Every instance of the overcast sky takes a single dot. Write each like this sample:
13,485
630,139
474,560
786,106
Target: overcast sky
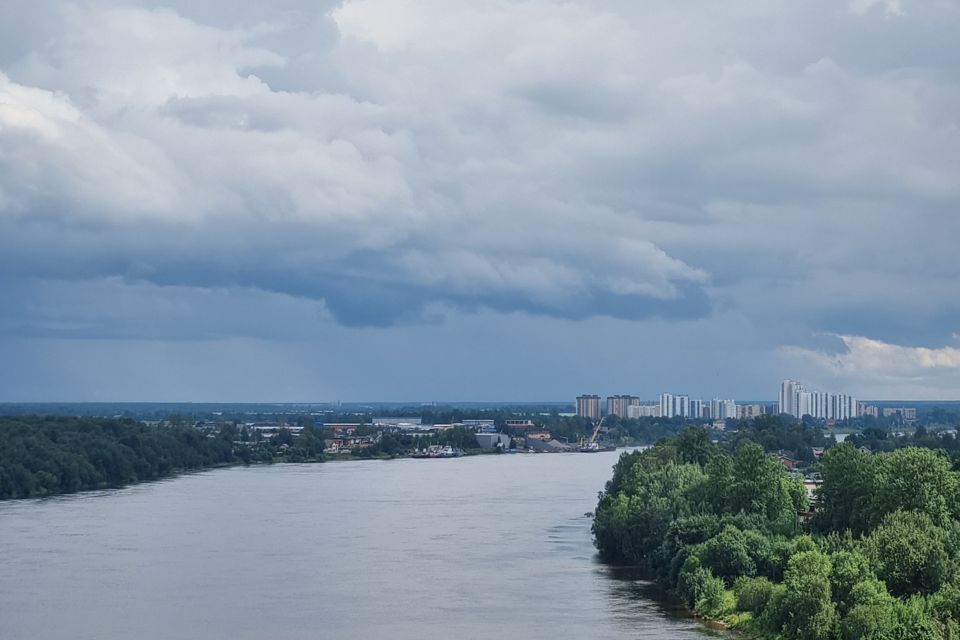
478,199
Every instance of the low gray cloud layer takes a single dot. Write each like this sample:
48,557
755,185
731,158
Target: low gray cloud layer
173,172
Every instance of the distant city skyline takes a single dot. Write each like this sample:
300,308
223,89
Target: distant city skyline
793,399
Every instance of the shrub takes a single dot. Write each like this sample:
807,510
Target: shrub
753,594
713,601
692,580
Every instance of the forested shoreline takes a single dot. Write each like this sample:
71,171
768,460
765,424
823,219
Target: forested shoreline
43,456
730,532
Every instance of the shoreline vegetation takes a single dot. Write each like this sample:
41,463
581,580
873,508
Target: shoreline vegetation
725,528
54,455
43,456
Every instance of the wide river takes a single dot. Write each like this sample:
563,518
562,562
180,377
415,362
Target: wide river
480,547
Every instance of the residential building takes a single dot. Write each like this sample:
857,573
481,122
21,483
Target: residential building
788,397
747,411
617,405
696,408
798,402
672,406
666,405
588,406
643,411
723,409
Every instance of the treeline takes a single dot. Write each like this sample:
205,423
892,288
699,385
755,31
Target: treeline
882,440
42,456
781,433
723,530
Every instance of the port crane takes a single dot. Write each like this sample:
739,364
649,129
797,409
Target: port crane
591,444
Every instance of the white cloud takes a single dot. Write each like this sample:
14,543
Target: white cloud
878,369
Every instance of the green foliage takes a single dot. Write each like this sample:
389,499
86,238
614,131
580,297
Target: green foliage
879,563
692,581
916,480
758,485
713,600
847,492
848,569
913,621
778,432
753,594
694,446
870,622
908,552
810,611
775,615
51,455
726,555
632,525
945,603
859,489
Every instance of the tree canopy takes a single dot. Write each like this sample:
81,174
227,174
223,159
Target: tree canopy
723,527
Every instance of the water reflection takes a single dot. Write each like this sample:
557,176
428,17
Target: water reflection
643,608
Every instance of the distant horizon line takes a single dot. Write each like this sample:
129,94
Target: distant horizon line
421,403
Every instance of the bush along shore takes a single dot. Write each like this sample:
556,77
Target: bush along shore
733,535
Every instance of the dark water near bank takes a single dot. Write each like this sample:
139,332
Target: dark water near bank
484,547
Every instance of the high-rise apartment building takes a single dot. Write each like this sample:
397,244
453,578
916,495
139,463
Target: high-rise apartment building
749,410
588,407
798,402
723,409
666,405
788,401
619,405
696,409
672,406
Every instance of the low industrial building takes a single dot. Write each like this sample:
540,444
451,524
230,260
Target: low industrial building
493,440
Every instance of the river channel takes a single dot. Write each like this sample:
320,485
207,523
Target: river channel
479,547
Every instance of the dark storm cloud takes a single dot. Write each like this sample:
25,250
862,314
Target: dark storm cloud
783,170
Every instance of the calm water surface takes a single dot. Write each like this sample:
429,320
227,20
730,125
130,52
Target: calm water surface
481,547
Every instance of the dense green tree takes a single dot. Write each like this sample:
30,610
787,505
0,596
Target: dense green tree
716,489
726,555
632,525
51,455
753,594
713,601
847,491
872,615
759,485
694,446
848,568
880,563
811,613
909,553
914,479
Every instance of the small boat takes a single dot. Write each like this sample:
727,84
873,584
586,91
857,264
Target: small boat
436,451
593,447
